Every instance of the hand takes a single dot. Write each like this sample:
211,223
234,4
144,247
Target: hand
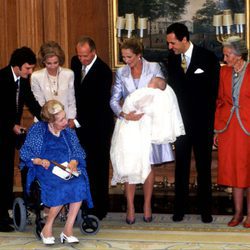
132,116
19,129
216,140
42,162
71,123
73,165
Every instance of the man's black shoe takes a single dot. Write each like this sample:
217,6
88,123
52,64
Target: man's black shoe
6,228
206,218
177,217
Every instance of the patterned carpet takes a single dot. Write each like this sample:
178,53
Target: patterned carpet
162,233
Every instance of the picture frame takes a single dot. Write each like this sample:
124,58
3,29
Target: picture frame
155,47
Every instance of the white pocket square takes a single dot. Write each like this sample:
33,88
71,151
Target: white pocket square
199,71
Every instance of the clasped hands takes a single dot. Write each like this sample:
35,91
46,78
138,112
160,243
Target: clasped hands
72,165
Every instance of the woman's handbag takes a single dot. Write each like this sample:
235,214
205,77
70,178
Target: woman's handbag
62,171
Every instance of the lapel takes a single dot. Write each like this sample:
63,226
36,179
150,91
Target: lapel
146,74
191,64
91,70
191,68
128,79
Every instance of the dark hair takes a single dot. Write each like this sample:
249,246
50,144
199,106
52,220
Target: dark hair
180,30
49,49
133,44
21,56
85,39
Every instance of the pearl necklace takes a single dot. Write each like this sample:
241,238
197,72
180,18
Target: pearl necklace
237,72
53,83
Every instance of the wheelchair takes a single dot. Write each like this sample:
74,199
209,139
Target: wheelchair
30,203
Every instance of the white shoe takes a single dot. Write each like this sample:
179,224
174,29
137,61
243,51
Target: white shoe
68,239
48,240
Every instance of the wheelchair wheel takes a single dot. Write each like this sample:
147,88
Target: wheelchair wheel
89,224
19,214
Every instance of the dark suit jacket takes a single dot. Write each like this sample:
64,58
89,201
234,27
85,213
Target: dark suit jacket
9,116
196,90
92,101
96,119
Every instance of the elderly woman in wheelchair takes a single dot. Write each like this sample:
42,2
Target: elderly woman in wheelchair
55,158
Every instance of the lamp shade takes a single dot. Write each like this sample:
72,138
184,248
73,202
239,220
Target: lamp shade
130,21
239,18
227,12
142,23
120,22
217,20
227,20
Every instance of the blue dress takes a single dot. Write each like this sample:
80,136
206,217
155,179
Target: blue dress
55,191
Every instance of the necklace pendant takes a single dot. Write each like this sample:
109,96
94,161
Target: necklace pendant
55,93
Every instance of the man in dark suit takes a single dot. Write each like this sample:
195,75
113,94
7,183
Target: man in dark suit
93,80
194,75
15,92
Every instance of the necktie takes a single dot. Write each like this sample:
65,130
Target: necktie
83,73
17,94
184,63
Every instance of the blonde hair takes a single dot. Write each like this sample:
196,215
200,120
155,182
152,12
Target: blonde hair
133,44
49,49
50,109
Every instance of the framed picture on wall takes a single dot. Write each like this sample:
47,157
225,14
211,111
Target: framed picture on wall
149,19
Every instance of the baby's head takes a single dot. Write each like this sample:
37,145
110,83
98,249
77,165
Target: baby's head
157,83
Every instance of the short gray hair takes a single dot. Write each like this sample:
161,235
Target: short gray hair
237,45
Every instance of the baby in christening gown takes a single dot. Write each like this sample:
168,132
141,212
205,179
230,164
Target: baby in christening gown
131,140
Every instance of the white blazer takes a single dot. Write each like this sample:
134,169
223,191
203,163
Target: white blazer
42,89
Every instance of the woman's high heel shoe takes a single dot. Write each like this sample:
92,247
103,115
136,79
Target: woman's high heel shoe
130,214
147,219
68,239
246,225
130,222
235,222
47,240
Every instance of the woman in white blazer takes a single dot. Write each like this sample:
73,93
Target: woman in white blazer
53,81
137,73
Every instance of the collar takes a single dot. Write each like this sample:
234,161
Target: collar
188,53
90,65
14,75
